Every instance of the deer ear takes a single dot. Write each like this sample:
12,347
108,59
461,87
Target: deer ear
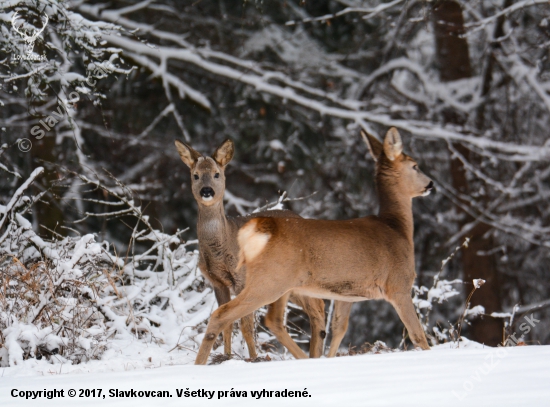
224,153
375,147
393,146
187,154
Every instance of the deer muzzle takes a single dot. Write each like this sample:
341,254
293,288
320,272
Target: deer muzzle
207,193
429,188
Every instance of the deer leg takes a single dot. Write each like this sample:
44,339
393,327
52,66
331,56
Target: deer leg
340,321
315,310
244,304
247,328
405,309
274,320
223,296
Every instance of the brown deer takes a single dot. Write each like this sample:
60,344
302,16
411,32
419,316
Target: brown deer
347,260
218,252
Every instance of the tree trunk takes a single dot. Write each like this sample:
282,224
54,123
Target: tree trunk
47,211
454,63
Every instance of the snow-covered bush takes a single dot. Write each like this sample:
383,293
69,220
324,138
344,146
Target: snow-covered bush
69,299
425,298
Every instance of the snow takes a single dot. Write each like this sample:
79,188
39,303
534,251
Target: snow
277,145
478,282
477,310
472,375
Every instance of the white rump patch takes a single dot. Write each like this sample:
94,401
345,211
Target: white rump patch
251,241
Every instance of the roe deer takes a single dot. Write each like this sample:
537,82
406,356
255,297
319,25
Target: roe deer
218,252
347,260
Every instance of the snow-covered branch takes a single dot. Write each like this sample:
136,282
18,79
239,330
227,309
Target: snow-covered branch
367,13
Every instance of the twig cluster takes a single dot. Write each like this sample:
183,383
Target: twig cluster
68,299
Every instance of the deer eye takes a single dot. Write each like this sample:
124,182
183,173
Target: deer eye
196,176
217,175
415,167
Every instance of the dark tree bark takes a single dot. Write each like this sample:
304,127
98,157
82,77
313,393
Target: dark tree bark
454,63
47,211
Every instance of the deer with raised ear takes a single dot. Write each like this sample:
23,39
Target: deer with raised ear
347,260
218,252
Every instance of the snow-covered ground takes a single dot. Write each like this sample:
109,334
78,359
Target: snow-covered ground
472,375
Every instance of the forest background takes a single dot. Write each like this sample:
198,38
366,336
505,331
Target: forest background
98,97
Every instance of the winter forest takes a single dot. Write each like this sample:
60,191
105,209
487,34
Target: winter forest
98,235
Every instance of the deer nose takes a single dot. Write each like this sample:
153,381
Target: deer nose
430,186
207,192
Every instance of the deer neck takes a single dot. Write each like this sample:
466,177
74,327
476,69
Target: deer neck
212,223
395,207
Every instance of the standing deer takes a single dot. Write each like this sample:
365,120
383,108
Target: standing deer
218,252
347,260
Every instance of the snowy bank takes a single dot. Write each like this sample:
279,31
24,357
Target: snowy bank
474,375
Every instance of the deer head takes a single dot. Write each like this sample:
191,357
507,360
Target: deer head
396,167
207,173
29,38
